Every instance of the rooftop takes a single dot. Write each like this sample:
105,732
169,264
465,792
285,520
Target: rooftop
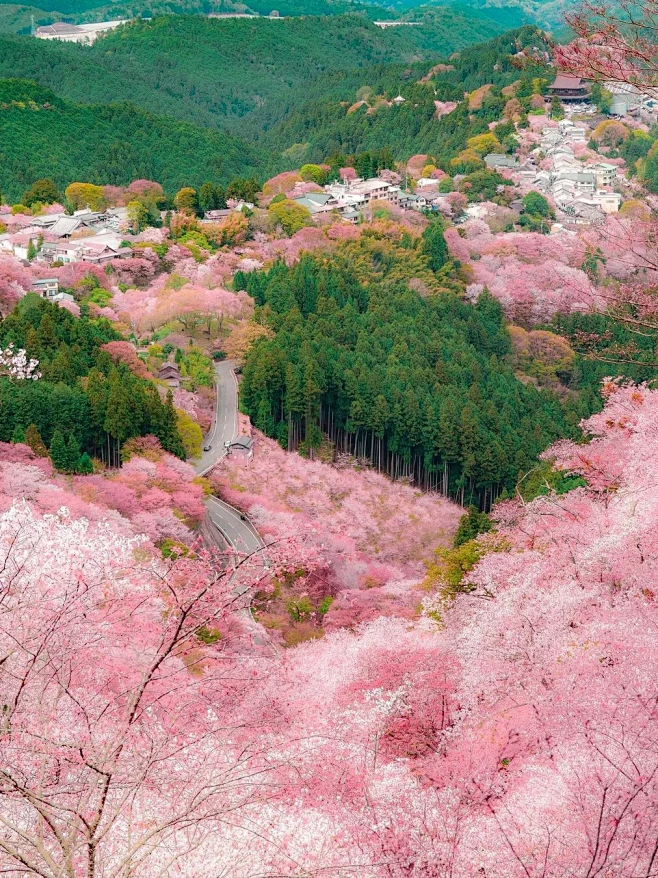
59,27
566,80
65,225
245,442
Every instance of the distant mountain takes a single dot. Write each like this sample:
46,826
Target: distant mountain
42,135
242,74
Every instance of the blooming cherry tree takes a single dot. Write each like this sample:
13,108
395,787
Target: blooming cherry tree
15,364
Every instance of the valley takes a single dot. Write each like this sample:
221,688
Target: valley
328,362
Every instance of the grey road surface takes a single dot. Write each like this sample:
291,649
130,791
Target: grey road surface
235,529
229,523
225,426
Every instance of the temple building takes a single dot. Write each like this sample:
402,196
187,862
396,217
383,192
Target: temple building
570,88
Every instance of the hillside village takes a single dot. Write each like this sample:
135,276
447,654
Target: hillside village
552,157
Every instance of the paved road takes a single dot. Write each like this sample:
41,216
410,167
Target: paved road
225,428
231,525
235,529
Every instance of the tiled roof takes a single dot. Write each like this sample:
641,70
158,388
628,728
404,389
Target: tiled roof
565,80
65,225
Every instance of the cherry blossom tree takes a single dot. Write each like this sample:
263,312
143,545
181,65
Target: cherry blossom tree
15,364
124,352
15,281
119,695
360,516
613,43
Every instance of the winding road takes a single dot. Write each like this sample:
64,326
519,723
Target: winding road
229,525
234,528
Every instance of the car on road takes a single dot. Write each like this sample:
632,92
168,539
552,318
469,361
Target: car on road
207,447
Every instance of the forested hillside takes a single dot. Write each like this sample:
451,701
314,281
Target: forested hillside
420,385
57,129
320,127
17,19
43,136
243,74
82,397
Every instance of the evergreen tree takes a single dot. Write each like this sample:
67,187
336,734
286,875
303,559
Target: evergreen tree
59,454
208,199
168,435
34,440
47,335
470,525
72,454
85,465
434,245
18,436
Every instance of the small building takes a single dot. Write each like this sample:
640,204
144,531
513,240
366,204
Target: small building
569,88
583,181
414,202
215,216
606,174
169,373
350,216
399,100
46,287
241,448
607,200
65,226
499,160
62,297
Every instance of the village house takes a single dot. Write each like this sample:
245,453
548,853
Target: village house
606,173
571,131
413,202
498,160
169,373
46,287
18,244
215,216
583,212
374,189
607,200
92,250
348,199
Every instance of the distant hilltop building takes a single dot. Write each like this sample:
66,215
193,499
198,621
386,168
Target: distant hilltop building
75,33
389,23
274,14
569,88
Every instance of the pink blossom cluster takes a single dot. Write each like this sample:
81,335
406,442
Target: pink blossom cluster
160,303
157,493
15,281
375,533
198,405
532,275
160,497
15,364
509,732
516,737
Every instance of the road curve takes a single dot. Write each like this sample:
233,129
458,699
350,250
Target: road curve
238,532
228,523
